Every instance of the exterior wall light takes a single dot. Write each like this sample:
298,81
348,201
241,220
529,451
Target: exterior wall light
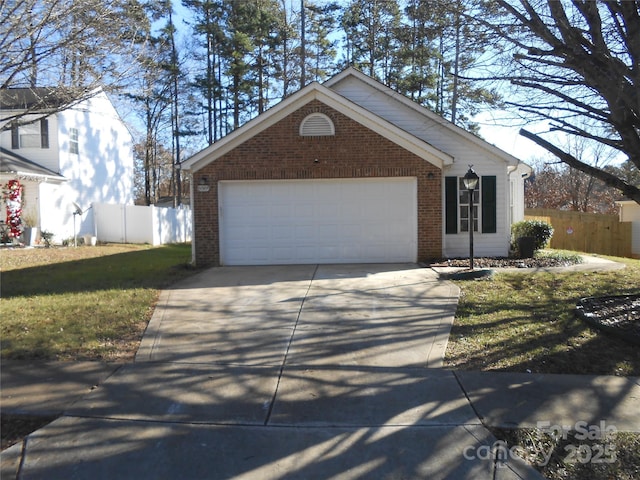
203,184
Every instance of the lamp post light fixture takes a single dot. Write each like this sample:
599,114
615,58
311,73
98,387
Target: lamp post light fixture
470,181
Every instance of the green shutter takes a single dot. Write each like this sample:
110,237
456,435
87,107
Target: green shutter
44,133
451,204
15,137
489,223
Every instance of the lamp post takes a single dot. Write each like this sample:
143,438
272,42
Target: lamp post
470,181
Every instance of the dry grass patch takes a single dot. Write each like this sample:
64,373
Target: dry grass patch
525,322
89,303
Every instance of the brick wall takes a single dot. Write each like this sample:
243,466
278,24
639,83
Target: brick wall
280,153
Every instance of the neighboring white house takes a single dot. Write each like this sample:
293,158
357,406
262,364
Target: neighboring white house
81,155
630,212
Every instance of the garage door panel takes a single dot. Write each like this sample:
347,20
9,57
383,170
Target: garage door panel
318,221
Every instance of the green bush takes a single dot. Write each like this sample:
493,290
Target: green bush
539,230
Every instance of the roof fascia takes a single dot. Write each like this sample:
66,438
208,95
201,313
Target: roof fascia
49,174
248,130
352,72
315,91
385,128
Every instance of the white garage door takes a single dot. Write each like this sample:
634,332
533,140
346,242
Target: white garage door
318,221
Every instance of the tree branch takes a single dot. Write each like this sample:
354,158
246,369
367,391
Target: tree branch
627,189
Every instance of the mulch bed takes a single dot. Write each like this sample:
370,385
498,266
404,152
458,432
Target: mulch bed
504,262
619,315
15,427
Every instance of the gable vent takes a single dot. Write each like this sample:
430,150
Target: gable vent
317,125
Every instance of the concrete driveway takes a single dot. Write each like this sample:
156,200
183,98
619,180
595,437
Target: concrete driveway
367,315
282,372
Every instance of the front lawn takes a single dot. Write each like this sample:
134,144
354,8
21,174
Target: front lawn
523,322
89,303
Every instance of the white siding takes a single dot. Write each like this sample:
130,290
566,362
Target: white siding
630,212
101,172
465,153
47,157
485,244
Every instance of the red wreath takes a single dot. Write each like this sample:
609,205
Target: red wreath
13,200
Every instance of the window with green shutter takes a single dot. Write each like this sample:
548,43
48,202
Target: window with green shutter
457,205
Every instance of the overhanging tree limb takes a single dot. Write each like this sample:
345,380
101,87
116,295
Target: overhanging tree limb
627,189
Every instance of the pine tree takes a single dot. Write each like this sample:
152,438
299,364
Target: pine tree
371,28
208,29
321,50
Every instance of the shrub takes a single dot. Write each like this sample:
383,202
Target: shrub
539,230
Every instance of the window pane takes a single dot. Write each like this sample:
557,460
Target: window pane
464,206
29,140
44,133
73,140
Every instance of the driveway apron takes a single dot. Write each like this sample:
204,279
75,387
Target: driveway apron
306,371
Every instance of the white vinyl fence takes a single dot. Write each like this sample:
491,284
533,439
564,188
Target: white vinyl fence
141,224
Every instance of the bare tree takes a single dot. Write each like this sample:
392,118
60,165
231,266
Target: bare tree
577,61
73,47
561,187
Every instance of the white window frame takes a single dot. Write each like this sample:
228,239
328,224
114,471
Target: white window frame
74,146
463,207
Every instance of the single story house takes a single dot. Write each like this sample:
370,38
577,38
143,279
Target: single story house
350,171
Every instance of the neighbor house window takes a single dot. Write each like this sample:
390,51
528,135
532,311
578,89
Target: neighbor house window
34,135
457,205
73,141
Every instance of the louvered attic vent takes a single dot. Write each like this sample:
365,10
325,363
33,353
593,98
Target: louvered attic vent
317,125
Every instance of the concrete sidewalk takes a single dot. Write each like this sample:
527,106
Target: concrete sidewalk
48,388
297,372
212,421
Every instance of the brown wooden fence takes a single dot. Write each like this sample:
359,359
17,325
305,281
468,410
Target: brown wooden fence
586,232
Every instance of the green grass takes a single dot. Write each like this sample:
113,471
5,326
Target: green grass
560,255
525,322
83,303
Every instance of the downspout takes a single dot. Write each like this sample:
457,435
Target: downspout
193,222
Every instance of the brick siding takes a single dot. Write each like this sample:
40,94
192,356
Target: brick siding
280,153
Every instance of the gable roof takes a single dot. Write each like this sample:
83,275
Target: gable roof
12,163
316,91
351,72
35,98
